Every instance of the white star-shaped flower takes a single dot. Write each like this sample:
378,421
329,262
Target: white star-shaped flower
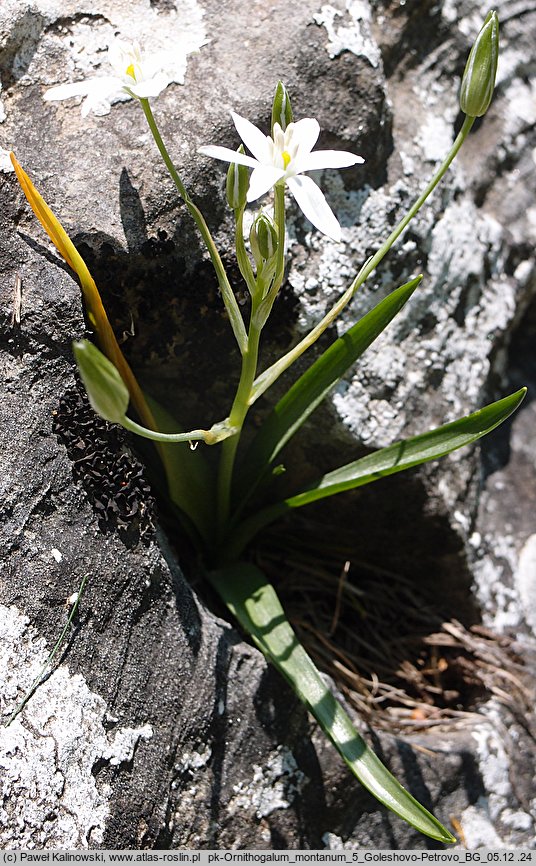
283,159
135,74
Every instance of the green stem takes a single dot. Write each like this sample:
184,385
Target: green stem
395,234
231,305
269,376
237,416
218,432
52,655
259,313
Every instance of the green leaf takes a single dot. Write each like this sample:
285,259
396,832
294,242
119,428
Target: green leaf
395,458
255,604
311,388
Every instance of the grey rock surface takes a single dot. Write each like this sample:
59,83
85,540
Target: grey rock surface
162,727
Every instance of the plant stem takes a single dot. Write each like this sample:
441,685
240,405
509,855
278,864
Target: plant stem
237,416
231,305
216,433
269,376
260,310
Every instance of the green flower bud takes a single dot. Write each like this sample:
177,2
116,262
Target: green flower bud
263,239
479,77
105,388
281,107
237,183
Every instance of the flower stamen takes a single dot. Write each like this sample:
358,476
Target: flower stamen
286,158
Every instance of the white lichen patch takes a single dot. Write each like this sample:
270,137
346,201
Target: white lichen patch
435,137
6,166
525,580
49,796
468,24
63,41
499,602
522,105
491,821
273,786
197,759
332,842
352,33
478,830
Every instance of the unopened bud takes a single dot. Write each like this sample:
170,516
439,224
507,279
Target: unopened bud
237,184
263,239
105,388
281,107
479,77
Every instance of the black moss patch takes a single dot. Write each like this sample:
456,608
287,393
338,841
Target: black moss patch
111,476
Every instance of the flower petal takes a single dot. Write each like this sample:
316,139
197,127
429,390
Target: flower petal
150,86
310,199
263,179
305,133
96,90
121,54
228,155
326,159
68,91
253,138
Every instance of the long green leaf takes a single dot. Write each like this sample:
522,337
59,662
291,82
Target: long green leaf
395,458
255,604
311,388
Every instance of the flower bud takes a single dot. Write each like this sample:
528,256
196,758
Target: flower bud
281,107
105,388
263,239
479,77
237,184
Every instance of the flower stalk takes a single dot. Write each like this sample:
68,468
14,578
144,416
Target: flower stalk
237,416
229,300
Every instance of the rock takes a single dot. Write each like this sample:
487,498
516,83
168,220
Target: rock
162,727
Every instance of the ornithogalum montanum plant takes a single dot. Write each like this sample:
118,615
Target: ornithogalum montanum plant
211,505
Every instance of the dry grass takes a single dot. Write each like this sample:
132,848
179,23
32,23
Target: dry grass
392,648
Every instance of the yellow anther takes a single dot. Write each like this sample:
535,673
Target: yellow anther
131,71
286,158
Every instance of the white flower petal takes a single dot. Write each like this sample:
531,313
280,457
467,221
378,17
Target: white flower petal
310,199
97,106
253,138
228,155
95,88
67,91
326,159
101,103
304,133
121,54
263,179
150,86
